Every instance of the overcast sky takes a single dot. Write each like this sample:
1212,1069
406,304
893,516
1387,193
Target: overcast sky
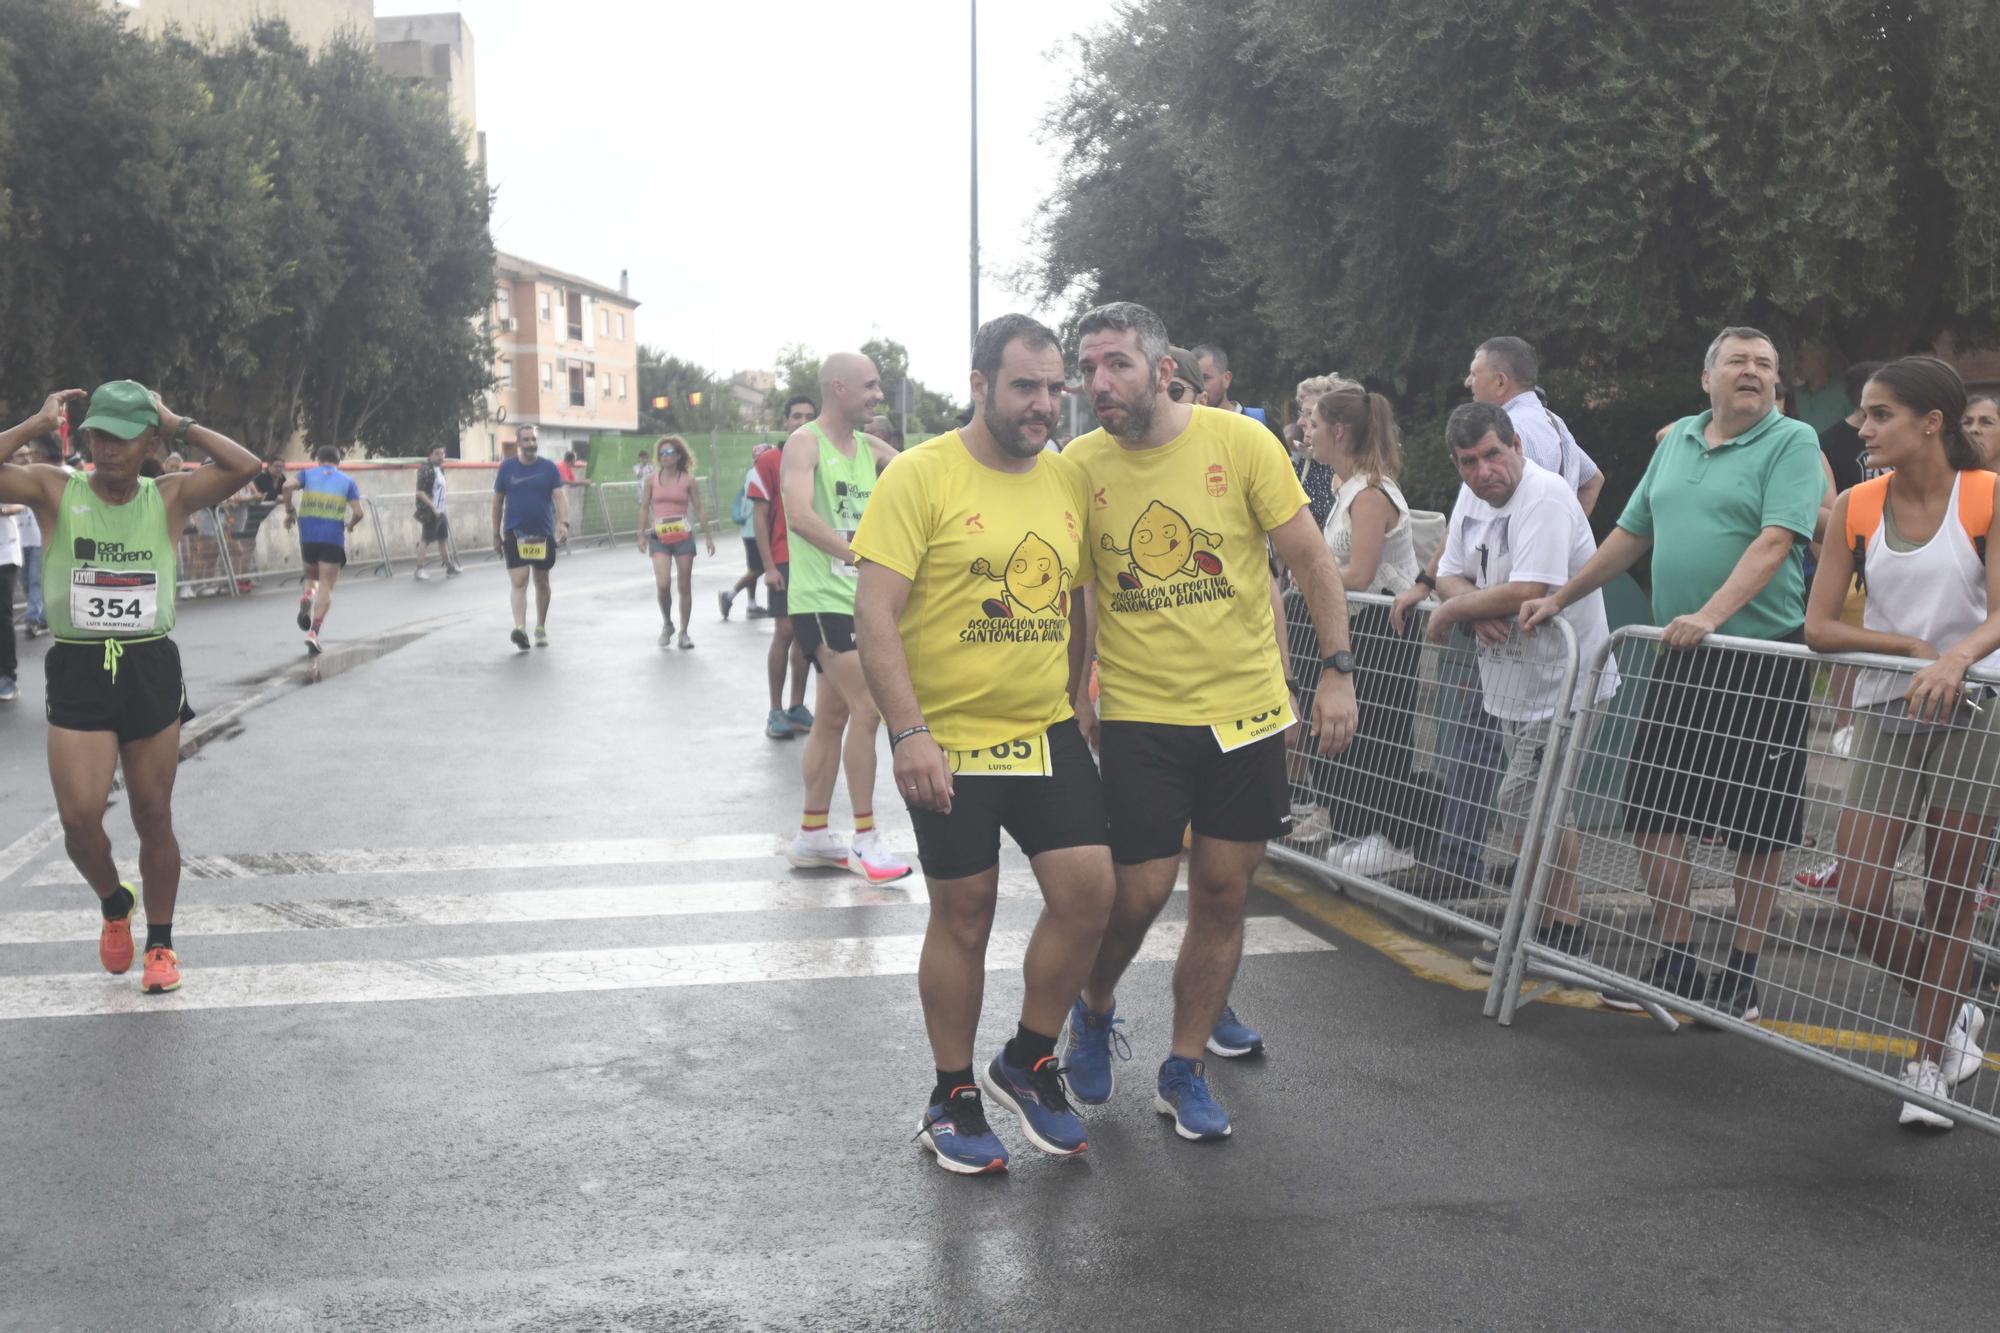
772,171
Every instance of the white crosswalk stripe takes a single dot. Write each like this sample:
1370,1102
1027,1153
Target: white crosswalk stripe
377,981
445,975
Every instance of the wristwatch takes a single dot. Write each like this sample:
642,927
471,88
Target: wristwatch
1424,577
1342,662
181,432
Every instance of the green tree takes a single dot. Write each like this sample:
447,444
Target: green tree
670,377
1400,178
931,412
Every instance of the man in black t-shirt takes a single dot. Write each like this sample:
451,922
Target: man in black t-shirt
1841,442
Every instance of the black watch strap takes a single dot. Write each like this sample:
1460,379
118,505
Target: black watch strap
1424,577
1341,662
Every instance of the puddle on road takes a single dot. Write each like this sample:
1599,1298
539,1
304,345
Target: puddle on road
333,662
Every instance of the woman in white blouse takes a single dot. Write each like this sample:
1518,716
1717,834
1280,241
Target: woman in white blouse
1376,802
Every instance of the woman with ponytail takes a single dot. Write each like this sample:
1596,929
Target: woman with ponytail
1926,748
1369,534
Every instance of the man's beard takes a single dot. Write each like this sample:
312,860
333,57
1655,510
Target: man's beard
1138,420
1007,432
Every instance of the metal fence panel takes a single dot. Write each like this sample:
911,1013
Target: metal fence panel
1435,805
1707,896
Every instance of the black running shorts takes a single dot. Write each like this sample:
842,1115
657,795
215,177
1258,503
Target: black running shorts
1065,809
779,598
830,628
514,560
1721,748
323,553
146,697
1159,779
753,557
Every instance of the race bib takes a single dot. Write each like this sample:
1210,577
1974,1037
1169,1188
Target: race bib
532,548
671,530
843,569
1028,758
1249,730
105,602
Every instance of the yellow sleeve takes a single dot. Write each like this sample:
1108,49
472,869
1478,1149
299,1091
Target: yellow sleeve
1275,492
897,526
1086,563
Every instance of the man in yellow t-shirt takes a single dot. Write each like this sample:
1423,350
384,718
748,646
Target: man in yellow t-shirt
1194,695
969,620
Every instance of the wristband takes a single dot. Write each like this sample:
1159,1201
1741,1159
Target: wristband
181,432
1424,577
902,736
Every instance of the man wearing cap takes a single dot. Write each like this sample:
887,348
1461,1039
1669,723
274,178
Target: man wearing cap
115,693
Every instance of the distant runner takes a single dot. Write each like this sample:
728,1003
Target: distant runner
327,509
530,517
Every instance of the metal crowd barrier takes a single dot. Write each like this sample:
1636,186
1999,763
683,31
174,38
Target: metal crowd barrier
1861,976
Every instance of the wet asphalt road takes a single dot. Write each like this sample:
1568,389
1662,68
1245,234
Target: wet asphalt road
312,1154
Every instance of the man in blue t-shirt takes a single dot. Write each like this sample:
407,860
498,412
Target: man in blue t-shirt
327,507
530,518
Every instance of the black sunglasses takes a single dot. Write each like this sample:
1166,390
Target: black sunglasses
1180,389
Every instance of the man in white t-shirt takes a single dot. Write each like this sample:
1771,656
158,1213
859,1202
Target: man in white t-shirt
1503,373
1516,532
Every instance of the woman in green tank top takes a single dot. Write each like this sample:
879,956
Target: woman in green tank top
115,693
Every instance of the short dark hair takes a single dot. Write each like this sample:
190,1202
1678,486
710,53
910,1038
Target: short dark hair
1213,353
989,345
1469,423
1513,357
1118,317
1925,385
327,454
1742,333
1857,377
795,400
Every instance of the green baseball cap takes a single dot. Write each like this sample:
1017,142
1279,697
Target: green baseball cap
122,408
1186,367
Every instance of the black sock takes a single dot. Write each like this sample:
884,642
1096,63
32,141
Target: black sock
1028,1047
1745,963
159,937
948,1079
1680,957
118,905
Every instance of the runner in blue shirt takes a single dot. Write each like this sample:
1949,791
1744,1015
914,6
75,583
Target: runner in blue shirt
530,518
328,507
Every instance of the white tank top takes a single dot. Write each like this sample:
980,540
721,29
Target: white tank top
1936,593
1397,569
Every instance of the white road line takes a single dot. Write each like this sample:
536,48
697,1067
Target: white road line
822,893
28,846
370,982
422,860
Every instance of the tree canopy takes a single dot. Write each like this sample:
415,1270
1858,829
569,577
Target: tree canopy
931,411
279,241
1376,185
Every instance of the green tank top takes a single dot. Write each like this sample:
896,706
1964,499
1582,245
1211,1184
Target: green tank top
109,570
841,487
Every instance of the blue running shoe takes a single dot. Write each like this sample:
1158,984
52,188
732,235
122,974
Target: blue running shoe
1037,1096
800,717
1233,1037
1092,1042
1184,1095
956,1130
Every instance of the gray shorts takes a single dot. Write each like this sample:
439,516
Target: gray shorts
1526,746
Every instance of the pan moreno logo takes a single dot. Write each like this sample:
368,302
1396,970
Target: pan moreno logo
1031,605
92,551
1168,563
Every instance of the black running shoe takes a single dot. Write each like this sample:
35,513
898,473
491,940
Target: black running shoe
1687,981
520,638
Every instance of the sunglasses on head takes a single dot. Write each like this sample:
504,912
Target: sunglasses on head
1179,390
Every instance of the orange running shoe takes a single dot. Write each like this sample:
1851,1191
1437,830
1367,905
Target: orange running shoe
114,942
163,971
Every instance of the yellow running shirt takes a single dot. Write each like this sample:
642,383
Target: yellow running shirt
994,560
1184,632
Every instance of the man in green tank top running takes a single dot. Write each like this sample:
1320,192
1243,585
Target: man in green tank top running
115,693
826,478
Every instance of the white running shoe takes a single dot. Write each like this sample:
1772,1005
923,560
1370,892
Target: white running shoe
1375,856
821,848
686,642
1963,1055
666,638
1923,1076
874,860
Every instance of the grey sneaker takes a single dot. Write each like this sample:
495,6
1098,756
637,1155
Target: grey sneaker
724,600
8,690
800,717
777,726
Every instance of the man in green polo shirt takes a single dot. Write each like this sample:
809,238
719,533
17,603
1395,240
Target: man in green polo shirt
1727,505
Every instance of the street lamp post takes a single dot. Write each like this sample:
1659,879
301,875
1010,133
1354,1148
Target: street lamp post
975,168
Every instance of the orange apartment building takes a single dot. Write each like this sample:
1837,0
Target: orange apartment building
565,358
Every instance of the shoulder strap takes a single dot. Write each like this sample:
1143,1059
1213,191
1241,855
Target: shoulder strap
1864,517
1975,507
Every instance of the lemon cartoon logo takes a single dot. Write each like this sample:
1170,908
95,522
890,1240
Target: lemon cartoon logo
1034,581
1165,546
